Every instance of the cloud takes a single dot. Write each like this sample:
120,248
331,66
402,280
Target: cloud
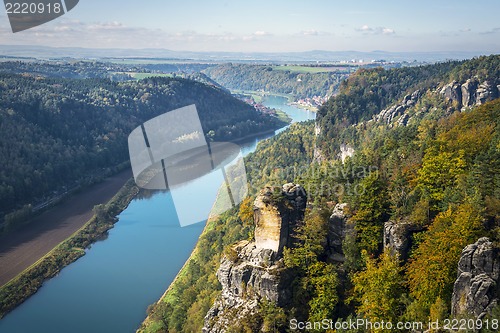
310,32
387,31
492,31
367,30
262,33
313,32
73,33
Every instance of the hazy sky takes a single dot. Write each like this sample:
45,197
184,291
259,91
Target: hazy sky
272,25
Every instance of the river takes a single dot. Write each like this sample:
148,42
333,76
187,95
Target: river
109,289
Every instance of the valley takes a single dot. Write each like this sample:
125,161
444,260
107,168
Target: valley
397,169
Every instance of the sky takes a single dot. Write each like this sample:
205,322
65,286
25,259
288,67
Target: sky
271,26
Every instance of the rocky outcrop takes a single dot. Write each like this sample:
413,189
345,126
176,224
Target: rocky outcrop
397,236
254,274
276,214
452,92
470,93
345,152
486,92
254,271
336,233
476,290
389,115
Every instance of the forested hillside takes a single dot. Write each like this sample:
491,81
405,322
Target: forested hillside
411,197
58,133
274,80
69,70
368,92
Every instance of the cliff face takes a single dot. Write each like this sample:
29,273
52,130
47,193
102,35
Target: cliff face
397,236
389,115
471,92
254,271
465,95
276,215
476,290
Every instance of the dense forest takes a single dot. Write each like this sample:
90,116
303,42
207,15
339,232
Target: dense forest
437,176
58,133
69,70
368,92
274,80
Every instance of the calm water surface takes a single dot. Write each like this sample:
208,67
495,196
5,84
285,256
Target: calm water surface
109,289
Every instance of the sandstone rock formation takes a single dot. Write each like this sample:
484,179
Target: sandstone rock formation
470,93
467,89
476,290
254,271
389,115
277,215
255,275
397,236
336,232
345,152
452,92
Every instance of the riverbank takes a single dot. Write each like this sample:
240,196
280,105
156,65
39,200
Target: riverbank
153,322
197,276
72,247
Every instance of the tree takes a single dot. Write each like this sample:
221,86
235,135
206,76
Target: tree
372,212
323,281
440,170
432,269
378,288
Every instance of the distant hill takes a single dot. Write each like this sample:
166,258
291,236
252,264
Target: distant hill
33,51
57,133
276,79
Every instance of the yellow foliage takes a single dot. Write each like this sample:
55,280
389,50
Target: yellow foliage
432,270
246,211
378,288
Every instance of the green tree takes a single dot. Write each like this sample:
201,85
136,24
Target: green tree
378,288
371,213
322,279
432,269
